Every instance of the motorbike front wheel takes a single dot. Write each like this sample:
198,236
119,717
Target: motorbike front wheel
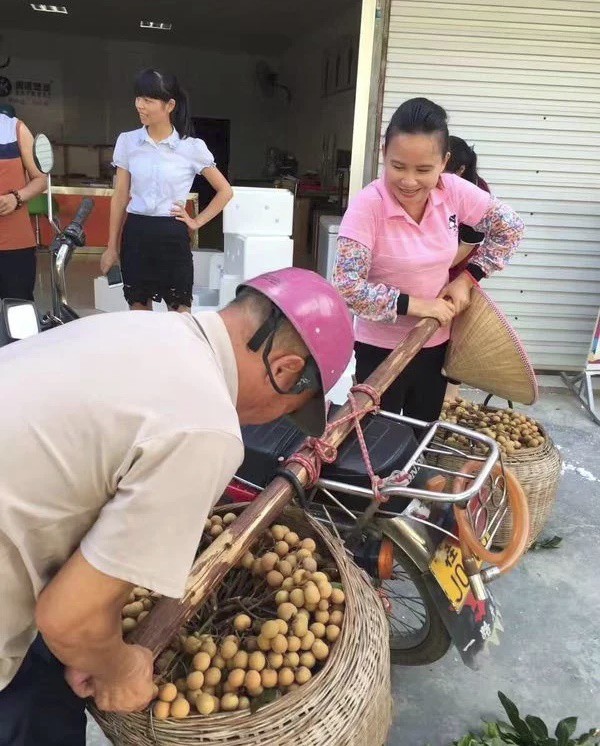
417,633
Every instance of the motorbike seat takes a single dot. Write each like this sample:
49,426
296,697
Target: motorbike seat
390,445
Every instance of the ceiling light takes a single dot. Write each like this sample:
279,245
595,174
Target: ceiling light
49,8
157,25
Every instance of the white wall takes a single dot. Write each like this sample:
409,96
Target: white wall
98,99
310,117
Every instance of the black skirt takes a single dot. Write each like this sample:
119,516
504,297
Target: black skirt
156,261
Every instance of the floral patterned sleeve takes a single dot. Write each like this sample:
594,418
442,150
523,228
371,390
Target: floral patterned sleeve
374,302
503,230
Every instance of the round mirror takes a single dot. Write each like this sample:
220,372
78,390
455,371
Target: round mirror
43,154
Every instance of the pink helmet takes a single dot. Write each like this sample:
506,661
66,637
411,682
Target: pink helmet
320,316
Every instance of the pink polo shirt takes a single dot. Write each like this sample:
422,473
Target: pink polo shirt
413,257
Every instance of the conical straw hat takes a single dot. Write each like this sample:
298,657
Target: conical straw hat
485,352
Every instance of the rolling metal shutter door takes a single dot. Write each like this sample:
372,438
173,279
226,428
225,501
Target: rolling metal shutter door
522,83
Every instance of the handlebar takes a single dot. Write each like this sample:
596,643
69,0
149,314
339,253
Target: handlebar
83,211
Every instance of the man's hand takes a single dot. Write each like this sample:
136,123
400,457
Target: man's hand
131,689
8,204
439,309
459,292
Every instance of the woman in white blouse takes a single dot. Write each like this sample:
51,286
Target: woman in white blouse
156,165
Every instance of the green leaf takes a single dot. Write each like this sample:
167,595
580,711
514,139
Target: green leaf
513,715
491,729
537,726
268,696
565,729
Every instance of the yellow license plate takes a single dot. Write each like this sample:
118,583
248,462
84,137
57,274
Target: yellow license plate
447,568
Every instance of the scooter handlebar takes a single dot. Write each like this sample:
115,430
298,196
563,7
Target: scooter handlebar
85,208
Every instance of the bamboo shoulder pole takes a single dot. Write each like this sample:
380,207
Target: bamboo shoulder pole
166,618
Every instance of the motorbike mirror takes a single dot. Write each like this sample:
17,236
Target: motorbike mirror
43,154
20,319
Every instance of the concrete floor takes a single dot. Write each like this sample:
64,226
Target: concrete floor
549,659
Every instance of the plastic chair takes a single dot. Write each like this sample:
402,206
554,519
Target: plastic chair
38,207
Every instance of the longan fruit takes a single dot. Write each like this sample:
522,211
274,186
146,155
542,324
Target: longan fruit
308,659
294,643
299,577
268,678
309,544
291,539
282,548
270,629
320,650
303,675
275,660
229,518
257,661
297,598
247,561
207,525
252,680
325,590
219,662
205,704
337,596
242,622
216,530
323,605
228,649
216,519
332,632
285,677
255,692
336,617
201,661
212,677
236,678
278,532
143,615
257,568
275,579
320,577
191,645
307,641
209,646
303,554
291,660
318,629
132,610
283,626
161,710
229,702
322,617
180,709
264,643
154,691
309,564
240,659
300,626
279,644
167,692
128,624
244,703
268,561
285,568
311,594
288,584
282,597
286,611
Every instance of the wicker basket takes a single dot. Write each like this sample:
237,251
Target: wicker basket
348,702
538,471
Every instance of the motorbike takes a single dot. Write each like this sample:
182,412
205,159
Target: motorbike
19,318
422,553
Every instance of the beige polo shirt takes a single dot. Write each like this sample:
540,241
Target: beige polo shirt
118,433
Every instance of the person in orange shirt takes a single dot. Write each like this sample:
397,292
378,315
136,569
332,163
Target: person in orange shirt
20,181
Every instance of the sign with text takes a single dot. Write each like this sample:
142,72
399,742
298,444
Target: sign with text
34,88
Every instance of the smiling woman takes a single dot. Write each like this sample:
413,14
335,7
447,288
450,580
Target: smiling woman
396,244
156,166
